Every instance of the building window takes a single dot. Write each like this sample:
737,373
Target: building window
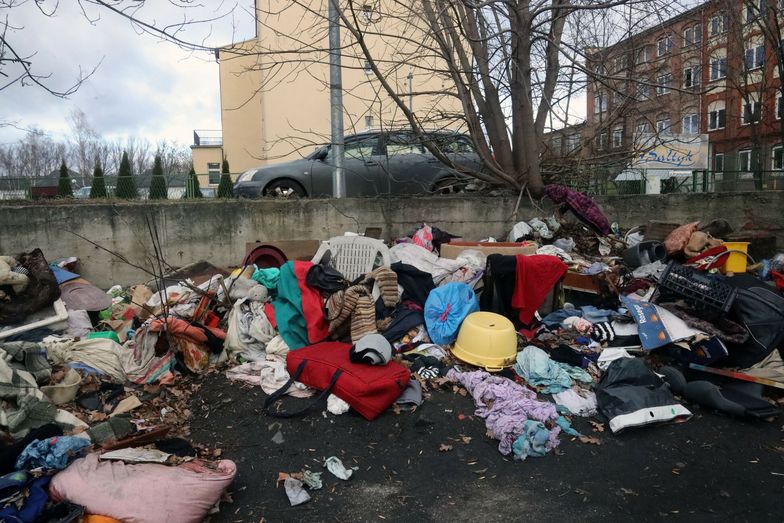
752,11
367,13
717,118
690,124
644,92
755,57
718,162
601,141
692,76
621,63
778,158
619,97
664,84
556,146
663,124
752,110
718,68
617,138
692,35
718,25
599,103
643,127
368,121
214,172
664,46
572,142
645,54
744,160
367,68
779,106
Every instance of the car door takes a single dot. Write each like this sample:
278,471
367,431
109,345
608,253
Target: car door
407,164
460,150
363,166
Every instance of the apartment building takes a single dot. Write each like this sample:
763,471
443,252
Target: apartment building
711,73
274,88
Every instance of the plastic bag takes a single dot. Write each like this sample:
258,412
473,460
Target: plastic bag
446,308
520,231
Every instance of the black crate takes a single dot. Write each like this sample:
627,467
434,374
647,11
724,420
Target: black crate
698,288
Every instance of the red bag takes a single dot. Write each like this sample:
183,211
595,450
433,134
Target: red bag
369,389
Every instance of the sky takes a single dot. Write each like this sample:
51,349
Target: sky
142,86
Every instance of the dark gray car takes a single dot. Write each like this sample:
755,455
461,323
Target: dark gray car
391,162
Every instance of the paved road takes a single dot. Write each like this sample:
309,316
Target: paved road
711,468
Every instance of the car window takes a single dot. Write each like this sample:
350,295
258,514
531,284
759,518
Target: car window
454,144
403,143
359,149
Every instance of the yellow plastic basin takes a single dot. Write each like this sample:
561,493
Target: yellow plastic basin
487,340
736,261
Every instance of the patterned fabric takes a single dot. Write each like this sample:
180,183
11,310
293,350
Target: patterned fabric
581,205
22,366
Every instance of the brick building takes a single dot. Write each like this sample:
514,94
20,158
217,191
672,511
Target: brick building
714,70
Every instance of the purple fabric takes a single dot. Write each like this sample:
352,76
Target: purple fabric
581,204
506,406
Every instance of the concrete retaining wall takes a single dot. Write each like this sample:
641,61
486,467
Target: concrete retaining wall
217,231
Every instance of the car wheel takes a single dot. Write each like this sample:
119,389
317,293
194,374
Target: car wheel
449,186
284,189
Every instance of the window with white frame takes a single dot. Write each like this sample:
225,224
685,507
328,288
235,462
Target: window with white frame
664,84
718,162
718,65
777,160
692,35
692,76
664,46
717,115
214,172
754,57
599,102
619,96
663,124
617,137
643,92
779,105
556,145
717,25
369,121
751,11
601,141
643,127
744,160
690,123
367,13
621,62
752,109
645,54
572,142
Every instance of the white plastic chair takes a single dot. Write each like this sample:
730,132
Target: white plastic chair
353,256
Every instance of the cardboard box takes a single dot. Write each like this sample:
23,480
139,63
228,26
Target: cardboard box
453,249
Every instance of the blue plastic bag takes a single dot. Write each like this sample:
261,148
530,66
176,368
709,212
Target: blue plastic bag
446,308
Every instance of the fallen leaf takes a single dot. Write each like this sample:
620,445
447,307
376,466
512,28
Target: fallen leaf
629,492
597,427
216,453
462,392
444,448
591,440
396,409
466,439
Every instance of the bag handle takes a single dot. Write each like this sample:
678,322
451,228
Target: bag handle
278,394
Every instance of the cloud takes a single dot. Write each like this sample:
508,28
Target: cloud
142,86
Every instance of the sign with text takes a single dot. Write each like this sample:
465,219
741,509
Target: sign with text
675,151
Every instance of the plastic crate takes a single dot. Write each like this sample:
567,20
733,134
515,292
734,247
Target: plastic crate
699,289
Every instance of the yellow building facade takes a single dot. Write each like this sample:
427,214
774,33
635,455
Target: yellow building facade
274,88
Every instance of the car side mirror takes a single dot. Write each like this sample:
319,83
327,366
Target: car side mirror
322,155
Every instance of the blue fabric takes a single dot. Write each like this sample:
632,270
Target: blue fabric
588,312
34,504
576,373
535,367
52,453
566,426
62,275
446,308
532,441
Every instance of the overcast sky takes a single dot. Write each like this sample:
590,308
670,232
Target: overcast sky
142,87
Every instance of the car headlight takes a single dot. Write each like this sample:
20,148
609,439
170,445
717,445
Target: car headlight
247,175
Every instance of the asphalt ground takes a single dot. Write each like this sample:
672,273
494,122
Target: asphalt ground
710,468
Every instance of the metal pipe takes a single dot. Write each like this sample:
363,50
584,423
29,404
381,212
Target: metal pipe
336,103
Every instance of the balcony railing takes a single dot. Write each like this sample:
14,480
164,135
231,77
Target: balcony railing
207,137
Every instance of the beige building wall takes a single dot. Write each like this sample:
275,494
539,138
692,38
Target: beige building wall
275,89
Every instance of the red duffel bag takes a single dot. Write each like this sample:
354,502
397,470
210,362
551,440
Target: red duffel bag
369,389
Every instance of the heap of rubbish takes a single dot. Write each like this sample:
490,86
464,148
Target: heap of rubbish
570,317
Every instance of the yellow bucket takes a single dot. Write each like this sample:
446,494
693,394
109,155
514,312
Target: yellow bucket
736,261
